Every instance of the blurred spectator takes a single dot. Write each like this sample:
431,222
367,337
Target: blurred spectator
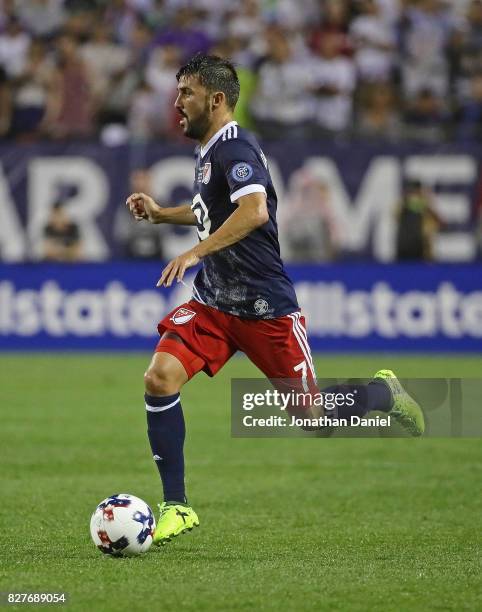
140,240
425,118
71,104
123,18
334,79
281,104
418,223
466,50
183,33
391,10
161,75
42,18
61,236
425,32
308,222
104,58
144,119
247,80
5,103
31,93
161,72
246,22
378,117
80,23
7,11
470,113
299,63
291,14
14,46
140,44
374,41
335,21
118,99
244,40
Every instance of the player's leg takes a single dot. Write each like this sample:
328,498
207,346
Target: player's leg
280,350
165,421
191,340
279,347
385,394
163,380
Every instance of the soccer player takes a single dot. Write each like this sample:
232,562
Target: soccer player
242,297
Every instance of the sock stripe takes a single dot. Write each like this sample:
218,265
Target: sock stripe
162,408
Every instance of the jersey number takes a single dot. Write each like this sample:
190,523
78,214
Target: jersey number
200,209
304,374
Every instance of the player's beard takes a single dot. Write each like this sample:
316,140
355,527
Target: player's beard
197,128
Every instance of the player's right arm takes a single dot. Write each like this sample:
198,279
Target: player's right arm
143,206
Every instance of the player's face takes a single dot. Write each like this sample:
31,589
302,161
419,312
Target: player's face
194,105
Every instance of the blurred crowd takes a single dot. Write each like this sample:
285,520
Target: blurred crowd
370,69
309,226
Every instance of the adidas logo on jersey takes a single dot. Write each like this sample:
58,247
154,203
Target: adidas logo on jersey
230,132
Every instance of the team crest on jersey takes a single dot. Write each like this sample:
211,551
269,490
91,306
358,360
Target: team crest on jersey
242,172
206,173
261,306
182,316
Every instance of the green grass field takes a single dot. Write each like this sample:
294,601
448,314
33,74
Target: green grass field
286,524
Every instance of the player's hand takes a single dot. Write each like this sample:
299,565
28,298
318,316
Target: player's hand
176,268
143,206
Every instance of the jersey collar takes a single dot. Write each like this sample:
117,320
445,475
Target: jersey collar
214,138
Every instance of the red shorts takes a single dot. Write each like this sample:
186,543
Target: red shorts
209,337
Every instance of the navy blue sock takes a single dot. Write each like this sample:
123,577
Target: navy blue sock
166,431
379,397
374,396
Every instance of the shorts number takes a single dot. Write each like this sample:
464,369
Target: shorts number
200,209
304,374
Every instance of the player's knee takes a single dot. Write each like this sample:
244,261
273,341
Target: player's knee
157,382
162,379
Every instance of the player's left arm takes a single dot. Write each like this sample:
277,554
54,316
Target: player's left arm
251,213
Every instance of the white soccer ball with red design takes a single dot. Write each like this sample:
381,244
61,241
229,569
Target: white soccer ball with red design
122,525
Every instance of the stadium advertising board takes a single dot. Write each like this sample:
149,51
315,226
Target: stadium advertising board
361,184
115,306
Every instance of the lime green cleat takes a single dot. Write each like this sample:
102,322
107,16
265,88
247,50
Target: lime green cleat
405,409
174,519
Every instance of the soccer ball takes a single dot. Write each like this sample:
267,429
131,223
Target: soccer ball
122,525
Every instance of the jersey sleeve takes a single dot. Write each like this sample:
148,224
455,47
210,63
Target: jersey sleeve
243,168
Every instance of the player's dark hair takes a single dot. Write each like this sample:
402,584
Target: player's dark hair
215,74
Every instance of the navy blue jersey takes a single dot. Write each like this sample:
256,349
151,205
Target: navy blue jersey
246,279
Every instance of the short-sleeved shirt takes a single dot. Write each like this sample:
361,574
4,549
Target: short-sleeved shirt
65,237
246,279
